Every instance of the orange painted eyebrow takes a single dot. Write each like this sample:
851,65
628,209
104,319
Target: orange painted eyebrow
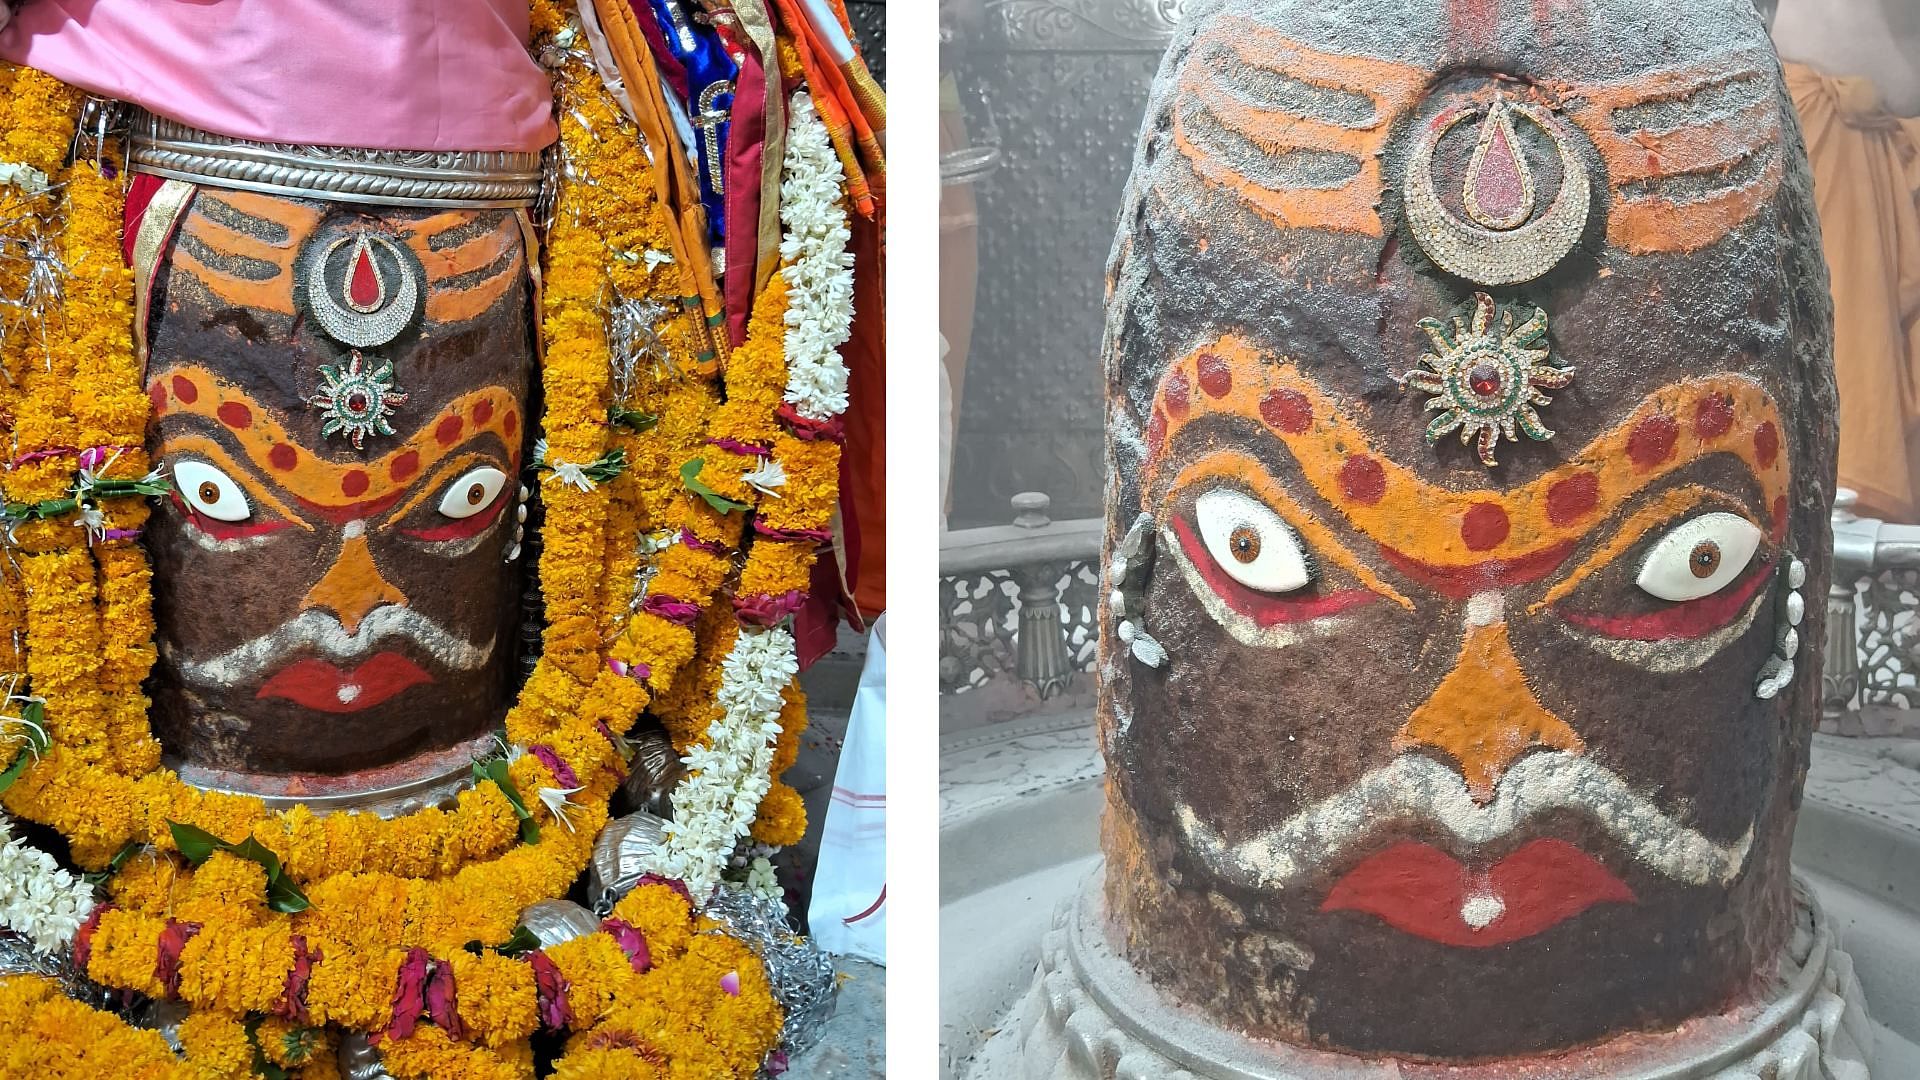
327,485
1672,427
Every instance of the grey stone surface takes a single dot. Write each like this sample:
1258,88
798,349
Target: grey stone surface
855,1044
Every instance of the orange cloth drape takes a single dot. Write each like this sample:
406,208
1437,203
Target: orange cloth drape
1866,183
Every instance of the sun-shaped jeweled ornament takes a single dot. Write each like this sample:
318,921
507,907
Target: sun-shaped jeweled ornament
356,401
1487,372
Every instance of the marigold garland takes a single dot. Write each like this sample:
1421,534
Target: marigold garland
623,559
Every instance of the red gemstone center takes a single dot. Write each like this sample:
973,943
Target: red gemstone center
357,402
364,288
1484,378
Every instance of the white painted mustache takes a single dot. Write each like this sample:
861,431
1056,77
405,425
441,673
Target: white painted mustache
321,632
1415,787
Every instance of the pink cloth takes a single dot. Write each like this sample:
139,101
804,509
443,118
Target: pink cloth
374,74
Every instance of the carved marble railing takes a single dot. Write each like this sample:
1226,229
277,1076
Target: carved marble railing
1018,601
1872,680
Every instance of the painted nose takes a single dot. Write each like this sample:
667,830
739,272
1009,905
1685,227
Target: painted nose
352,587
1484,716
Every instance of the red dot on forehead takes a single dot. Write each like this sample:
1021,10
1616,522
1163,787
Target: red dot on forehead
1156,430
354,484
283,457
448,431
511,422
184,389
1484,526
404,466
1177,394
1652,440
1779,518
1713,416
1287,410
482,412
1363,480
1766,444
235,415
1571,499
157,394
1215,377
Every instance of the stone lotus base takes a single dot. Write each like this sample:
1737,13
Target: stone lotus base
1090,1016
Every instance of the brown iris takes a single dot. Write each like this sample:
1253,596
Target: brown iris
1704,559
1244,543
476,494
209,492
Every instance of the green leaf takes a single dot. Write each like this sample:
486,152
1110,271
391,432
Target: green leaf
261,1065
97,878
254,851
198,845
521,943
284,896
632,419
690,476
14,770
496,771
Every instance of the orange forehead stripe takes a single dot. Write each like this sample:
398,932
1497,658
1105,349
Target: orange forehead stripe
1649,221
331,485
1349,206
1672,427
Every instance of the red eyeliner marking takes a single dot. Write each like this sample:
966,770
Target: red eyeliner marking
1265,609
225,530
1458,583
1683,620
462,528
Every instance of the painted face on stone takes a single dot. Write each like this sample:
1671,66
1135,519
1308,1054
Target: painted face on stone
332,592
1476,585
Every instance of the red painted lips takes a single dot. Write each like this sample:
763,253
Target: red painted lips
318,685
1423,891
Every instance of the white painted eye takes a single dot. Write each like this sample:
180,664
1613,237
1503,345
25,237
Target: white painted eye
473,492
1699,557
210,491
1250,542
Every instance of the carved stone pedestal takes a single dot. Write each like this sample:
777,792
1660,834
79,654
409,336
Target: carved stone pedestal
1090,1016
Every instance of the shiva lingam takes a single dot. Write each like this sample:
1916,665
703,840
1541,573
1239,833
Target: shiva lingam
340,387
1471,421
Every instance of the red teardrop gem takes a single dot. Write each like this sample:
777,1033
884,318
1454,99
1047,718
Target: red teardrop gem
1498,187
364,288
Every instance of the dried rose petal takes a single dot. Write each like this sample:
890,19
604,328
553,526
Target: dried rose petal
632,942
409,995
550,988
730,982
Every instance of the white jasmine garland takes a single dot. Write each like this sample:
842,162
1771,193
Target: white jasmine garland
38,899
730,773
819,270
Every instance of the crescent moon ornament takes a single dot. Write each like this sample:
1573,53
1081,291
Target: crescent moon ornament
1500,246
368,311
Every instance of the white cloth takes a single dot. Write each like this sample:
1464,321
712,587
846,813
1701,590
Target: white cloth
848,912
